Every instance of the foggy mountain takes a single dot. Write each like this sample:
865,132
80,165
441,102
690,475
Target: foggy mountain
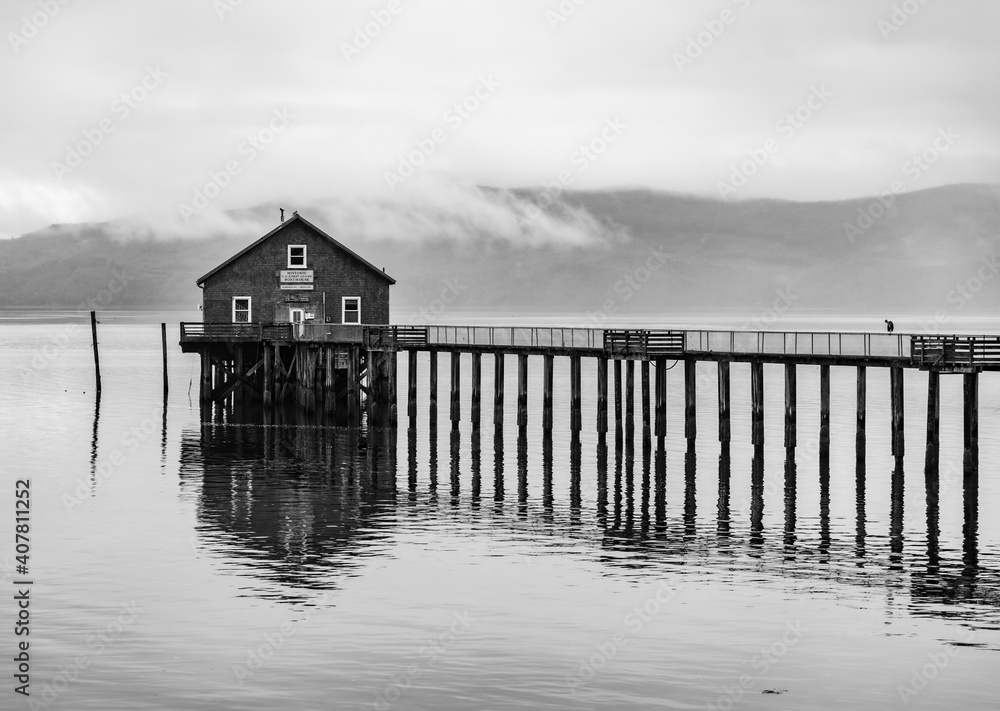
920,252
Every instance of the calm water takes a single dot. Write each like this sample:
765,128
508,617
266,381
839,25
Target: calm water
185,565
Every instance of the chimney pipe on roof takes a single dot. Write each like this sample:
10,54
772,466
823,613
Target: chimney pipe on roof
282,213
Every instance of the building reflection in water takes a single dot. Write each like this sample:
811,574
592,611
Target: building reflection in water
296,504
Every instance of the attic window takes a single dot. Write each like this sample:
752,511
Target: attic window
296,256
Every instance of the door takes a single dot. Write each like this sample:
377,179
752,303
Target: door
295,316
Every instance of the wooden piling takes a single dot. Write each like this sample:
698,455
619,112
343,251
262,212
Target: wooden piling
547,368
353,392
522,390
690,393
725,429
392,371
896,387
646,429
660,387
97,357
206,378
268,389
575,394
432,398
456,390
477,381
791,396
933,420
862,408
498,378
411,389
629,398
163,334
331,379
757,405
824,408
971,414
602,395
618,394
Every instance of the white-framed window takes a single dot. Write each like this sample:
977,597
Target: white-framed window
351,310
296,256
241,309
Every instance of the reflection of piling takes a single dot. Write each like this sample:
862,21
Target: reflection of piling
723,515
791,485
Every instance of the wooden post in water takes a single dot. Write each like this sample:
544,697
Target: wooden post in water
575,394
268,375
97,357
206,378
725,429
757,406
646,430
498,379
411,388
862,409
163,334
618,394
690,392
353,394
522,390
391,365
629,397
602,395
547,368
896,385
824,408
660,387
932,454
477,397
331,379
791,395
432,398
456,389
971,419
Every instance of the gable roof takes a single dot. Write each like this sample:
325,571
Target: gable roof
297,217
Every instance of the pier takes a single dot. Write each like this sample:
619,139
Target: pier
345,371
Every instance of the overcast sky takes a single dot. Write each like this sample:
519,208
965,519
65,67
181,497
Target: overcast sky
115,107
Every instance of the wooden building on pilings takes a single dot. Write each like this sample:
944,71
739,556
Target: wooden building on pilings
284,321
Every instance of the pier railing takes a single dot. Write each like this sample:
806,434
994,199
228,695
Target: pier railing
635,342
394,338
938,351
221,331
794,343
516,337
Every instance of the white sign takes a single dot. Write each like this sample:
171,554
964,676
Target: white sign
297,276
296,287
